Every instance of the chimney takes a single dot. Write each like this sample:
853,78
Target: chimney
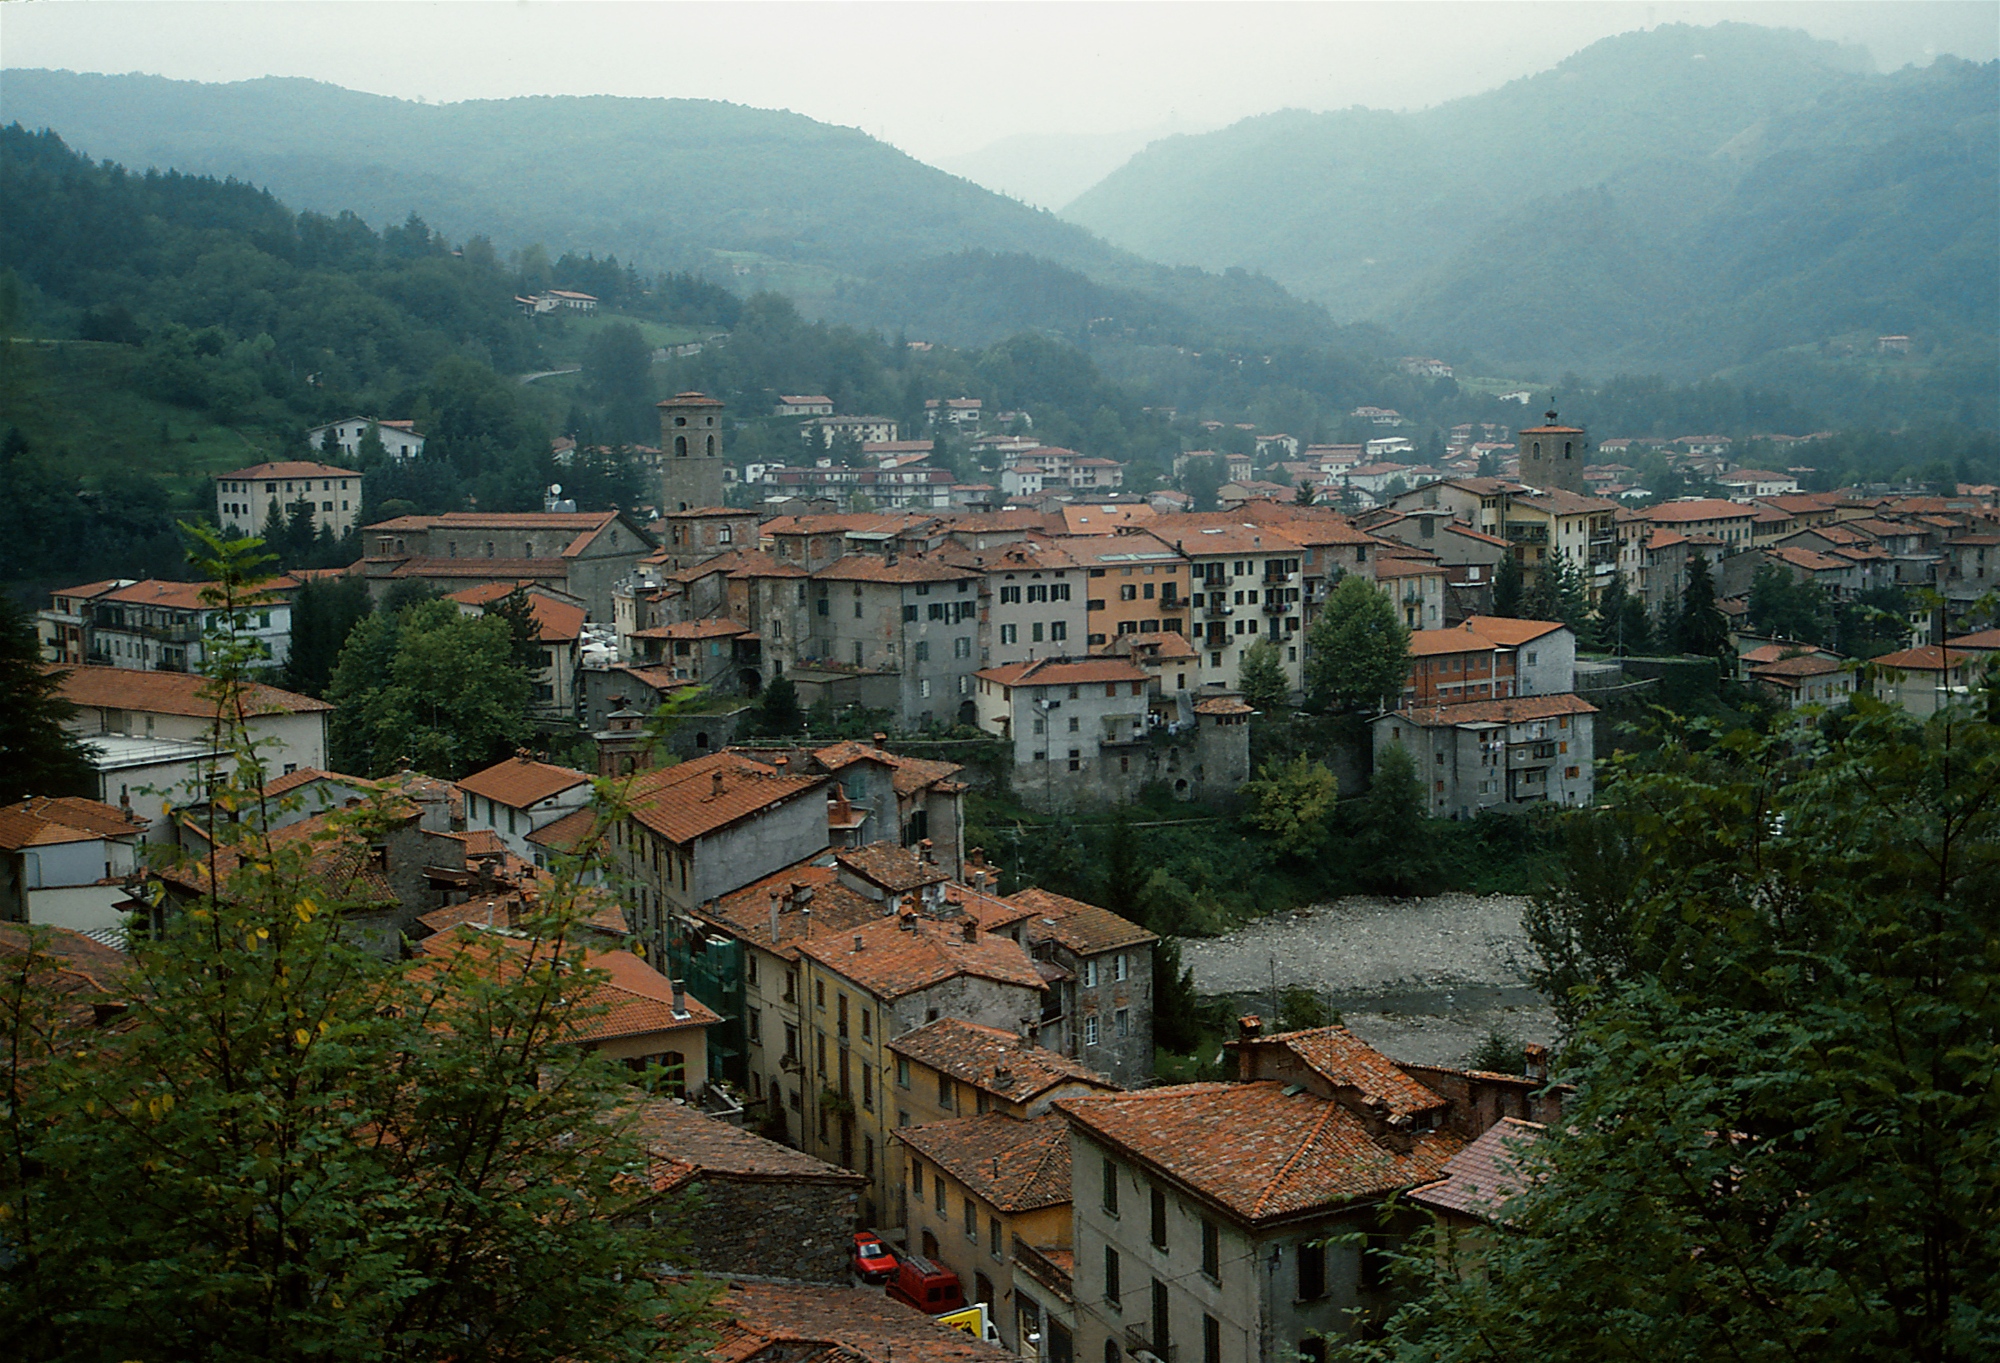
909,920
680,998
1537,1058
715,785
776,900
880,739
857,941
971,930
929,851
781,763
1249,1027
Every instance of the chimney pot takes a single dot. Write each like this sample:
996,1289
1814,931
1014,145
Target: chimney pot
680,998
1537,1058
880,739
971,929
857,941
715,783
1249,1027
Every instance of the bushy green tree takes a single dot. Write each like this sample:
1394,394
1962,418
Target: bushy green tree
1782,604
1785,1137
290,1148
1358,652
1261,677
1386,841
1293,803
431,685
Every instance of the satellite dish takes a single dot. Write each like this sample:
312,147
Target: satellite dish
555,489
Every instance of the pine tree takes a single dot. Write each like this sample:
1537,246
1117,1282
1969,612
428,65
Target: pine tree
1507,587
1704,629
38,754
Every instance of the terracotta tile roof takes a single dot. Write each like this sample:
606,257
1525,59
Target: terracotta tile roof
632,998
1771,653
686,801
1702,509
558,621
1011,1164
914,773
568,833
171,693
521,781
1929,658
1345,1060
93,818
688,1145
91,962
746,913
1401,566
184,596
901,956
1985,641
1263,1152
91,589
1518,710
1480,1179
794,1323
339,861
1168,643
1807,559
993,1059
1562,502
1101,519
1095,671
279,786
292,468
877,568
19,828
1223,705
1510,633
1809,665
1216,533
896,869
1084,928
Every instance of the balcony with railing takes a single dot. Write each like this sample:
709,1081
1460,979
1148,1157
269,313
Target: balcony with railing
1217,610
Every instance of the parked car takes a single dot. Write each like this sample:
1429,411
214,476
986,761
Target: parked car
929,1287
874,1262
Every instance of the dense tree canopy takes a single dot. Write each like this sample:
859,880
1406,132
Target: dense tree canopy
289,1148
1358,652
427,684
1779,960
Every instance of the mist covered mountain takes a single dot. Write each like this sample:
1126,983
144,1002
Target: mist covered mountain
751,197
1687,200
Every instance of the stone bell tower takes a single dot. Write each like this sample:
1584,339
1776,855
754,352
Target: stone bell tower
1552,455
690,452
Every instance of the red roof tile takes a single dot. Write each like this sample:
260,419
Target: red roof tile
172,693
1518,710
1480,1179
1011,1164
521,781
691,799
898,957
994,1059
1084,928
1259,1149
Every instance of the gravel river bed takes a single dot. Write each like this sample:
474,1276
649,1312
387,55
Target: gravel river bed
1419,979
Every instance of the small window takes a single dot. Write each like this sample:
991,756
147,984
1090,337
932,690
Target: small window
1312,1271
1159,1219
1111,1275
1108,1186
1211,1250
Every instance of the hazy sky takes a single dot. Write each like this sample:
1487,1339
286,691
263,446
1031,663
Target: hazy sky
934,79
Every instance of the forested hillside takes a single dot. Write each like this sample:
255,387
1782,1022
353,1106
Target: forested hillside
164,327
1689,200
761,198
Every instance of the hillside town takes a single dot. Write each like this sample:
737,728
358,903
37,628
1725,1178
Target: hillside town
918,1108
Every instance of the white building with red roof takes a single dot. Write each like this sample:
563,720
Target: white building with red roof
245,497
